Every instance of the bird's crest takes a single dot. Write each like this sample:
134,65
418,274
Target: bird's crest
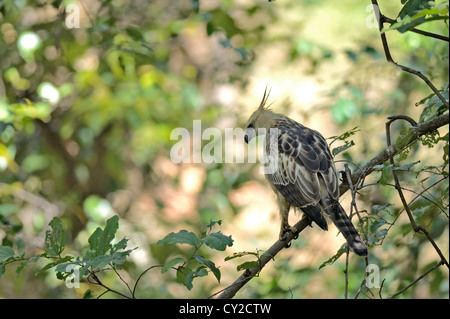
262,105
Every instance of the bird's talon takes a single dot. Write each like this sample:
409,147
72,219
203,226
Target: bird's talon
283,234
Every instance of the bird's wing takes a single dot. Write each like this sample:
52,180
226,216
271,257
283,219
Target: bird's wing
302,159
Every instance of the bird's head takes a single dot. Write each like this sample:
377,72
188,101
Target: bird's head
260,121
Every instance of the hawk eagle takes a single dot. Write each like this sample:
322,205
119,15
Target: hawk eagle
302,172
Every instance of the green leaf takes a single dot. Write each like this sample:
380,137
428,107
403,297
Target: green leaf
248,265
378,208
199,272
242,254
62,268
88,294
404,139
435,107
344,135
416,12
119,257
332,259
135,33
182,237
376,225
100,240
55,239
182,273
101,262
386,174
218,241
171,263
381,233
418,212
208,263
120,245
213,222
6,253
51,265
342,148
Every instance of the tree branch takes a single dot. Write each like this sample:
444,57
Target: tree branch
425,33
381,20
418,131
416,228
417,279
231,290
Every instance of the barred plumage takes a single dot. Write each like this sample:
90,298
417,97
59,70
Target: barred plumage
305,175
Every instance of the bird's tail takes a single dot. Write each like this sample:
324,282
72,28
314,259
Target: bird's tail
345,226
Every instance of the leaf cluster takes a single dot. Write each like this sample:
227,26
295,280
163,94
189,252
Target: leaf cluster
417,12
101,254
197,265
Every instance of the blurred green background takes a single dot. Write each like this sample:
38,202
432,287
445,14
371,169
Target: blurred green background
86,115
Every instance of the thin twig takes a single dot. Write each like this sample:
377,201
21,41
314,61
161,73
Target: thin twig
346,272
417,279
120,277
354,190
100,283
381,20
425,33
417,228
140,276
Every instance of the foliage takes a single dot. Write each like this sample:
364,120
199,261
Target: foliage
417,12
102,255
87,187
185,274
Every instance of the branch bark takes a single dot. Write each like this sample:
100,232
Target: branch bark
231,290
417,132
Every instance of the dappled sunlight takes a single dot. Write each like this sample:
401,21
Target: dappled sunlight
138,110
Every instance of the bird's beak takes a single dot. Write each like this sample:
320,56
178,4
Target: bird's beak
249,133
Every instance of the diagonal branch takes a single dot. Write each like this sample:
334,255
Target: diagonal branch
418,278
417,132
231,290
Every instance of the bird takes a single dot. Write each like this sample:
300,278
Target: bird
301,171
